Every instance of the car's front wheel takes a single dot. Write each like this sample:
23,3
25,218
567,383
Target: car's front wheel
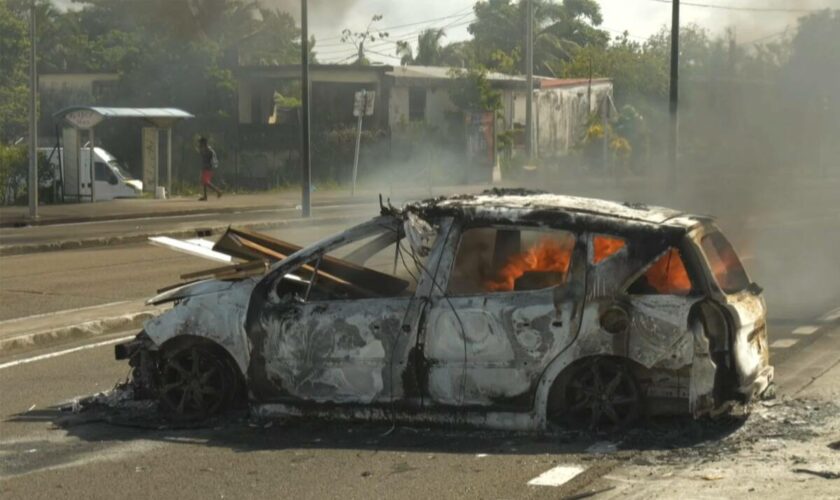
196,382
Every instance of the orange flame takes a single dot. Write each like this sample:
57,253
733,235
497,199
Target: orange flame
548,255
668,275
605,246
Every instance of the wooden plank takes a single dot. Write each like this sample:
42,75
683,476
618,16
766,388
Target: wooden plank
245,266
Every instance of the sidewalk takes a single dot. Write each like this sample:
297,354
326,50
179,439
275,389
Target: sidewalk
17,216
14,216
49,329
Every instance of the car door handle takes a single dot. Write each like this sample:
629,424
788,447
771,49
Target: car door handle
557,323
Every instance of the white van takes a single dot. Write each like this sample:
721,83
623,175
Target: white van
112,180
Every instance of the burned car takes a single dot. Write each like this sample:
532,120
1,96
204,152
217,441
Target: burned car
508,309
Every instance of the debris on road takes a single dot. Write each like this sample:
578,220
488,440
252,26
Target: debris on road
819,473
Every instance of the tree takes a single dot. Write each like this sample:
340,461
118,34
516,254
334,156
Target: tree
429,50
14,82
559,28
471,90
359,38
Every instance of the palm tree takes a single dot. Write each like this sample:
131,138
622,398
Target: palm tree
429,50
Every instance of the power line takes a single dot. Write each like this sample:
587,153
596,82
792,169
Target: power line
740,8
405,36
458,13
384,43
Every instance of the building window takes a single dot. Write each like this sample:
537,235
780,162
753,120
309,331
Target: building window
416,104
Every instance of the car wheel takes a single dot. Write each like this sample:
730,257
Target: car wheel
196,382
599,394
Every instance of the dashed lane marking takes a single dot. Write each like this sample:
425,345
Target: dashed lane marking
806,330
783,343
56,354
557,476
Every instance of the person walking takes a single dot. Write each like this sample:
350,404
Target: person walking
209,163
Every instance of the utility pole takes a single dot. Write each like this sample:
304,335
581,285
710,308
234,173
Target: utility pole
673,106
529,80
306,170
33,118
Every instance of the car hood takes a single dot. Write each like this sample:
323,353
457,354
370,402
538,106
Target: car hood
196,289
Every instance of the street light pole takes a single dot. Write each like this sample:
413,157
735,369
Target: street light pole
529,80
33,118
306,169
673,103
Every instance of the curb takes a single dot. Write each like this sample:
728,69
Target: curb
94,328
6,250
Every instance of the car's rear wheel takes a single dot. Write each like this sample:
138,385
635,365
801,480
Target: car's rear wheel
196,382
597,394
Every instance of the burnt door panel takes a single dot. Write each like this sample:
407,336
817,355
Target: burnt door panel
490,350
340,351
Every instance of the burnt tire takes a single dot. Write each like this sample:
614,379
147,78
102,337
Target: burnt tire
598,394
196,381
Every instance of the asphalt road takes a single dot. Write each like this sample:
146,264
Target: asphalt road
49,453
53,281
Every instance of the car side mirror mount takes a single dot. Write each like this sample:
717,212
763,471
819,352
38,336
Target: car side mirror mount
755,288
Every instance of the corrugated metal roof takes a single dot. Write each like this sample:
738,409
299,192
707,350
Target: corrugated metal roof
149,113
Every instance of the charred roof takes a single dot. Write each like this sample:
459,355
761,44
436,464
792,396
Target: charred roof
513,205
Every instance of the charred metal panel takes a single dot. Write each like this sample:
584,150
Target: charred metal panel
749,345
485,349
216,312
336,351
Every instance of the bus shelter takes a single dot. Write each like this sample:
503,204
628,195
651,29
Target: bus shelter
78,120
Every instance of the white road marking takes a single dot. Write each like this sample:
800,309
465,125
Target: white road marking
832,315
806,330
783,343
556,476
56,354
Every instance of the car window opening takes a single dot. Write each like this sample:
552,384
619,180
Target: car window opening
379,266
726,267
504,260
667,276
604,247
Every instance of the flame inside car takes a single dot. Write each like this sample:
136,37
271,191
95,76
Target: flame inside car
668,275
548,255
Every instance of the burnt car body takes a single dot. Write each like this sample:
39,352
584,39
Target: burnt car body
508,309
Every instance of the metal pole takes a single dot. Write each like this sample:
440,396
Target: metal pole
529,80
169,161
358,141
33,118
92,169
673,108
306,169
157,161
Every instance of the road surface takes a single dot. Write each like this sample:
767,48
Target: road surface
47,453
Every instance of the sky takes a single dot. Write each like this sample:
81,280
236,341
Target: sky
641,18
403,19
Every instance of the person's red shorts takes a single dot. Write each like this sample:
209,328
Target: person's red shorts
206,177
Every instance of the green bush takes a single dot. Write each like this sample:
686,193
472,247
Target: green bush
14,172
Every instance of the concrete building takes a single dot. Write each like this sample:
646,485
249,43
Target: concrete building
407,94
